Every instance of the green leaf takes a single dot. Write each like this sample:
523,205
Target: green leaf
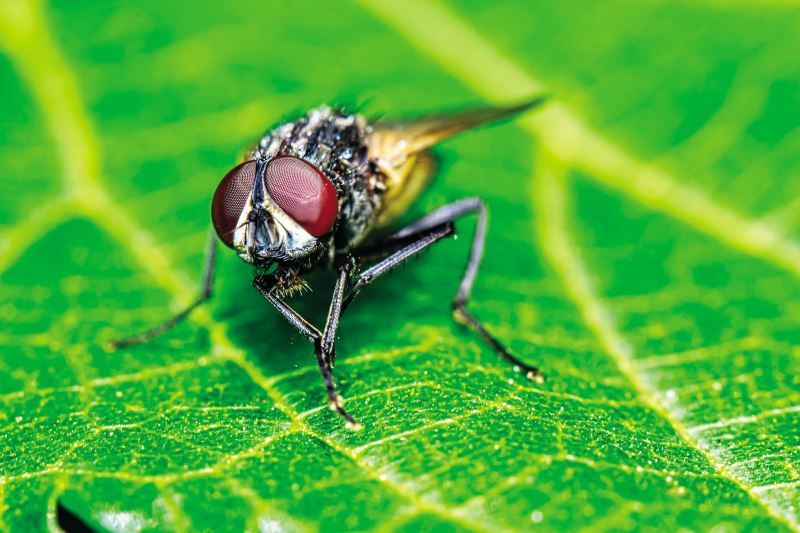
642,251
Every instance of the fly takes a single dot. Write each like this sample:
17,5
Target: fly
320,192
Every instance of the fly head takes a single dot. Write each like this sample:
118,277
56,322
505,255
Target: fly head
275,210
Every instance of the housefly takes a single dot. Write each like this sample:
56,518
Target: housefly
321,191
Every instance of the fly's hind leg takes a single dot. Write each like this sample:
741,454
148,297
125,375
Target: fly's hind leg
424,228
205,295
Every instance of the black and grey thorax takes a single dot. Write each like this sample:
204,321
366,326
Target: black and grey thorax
334,142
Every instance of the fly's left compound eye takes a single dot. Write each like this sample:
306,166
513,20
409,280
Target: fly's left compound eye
303,192
229,199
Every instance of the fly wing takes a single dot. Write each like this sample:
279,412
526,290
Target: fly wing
399,148
394,141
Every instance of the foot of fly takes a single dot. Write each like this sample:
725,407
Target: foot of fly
336,403
462,316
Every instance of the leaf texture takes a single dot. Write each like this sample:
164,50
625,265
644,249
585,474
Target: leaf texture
642,251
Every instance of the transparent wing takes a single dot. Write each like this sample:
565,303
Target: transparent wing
392,142
400,150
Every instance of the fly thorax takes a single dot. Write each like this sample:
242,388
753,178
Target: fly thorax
335,142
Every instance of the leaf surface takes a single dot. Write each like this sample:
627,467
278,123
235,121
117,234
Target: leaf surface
641,251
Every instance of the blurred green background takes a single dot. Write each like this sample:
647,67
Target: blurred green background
642,251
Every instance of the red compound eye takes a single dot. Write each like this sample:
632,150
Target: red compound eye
303,192
229,199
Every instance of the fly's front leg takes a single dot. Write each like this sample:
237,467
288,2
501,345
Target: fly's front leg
345,271
205,295
267,287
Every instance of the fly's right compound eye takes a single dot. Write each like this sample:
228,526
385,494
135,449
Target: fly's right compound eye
230,199
304,193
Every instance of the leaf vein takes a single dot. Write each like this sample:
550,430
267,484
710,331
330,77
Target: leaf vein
549,193
747,419
439,33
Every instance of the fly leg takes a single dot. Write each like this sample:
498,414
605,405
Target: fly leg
345,272
418,241
323,342
205,295
424,228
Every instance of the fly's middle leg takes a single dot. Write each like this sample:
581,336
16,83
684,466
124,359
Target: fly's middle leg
424,230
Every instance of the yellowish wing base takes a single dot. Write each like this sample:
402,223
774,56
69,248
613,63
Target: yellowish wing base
404,185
